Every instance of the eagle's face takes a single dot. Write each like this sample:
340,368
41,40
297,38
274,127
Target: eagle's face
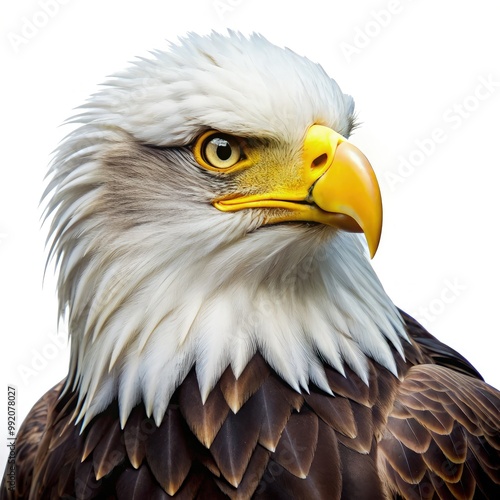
203,211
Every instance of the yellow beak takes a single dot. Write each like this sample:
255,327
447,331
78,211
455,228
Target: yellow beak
348,186
334,185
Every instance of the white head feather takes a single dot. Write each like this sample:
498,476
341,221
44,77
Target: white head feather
156,280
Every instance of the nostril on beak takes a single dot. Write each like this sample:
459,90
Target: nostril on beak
320,161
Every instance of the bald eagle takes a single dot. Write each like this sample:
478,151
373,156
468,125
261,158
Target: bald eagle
229,337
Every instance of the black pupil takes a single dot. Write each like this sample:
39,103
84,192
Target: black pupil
223,149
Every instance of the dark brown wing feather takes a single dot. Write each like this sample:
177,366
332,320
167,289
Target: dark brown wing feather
235,443
324,480
133,484
27,443
110,451
439,353
431,449
168,451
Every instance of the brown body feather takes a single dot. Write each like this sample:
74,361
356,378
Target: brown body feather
433,434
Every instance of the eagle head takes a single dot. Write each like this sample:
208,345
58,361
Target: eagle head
206,208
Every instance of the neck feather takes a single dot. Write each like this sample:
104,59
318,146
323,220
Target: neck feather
302,296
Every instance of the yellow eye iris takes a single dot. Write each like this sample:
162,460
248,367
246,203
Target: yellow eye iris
216,150
221,152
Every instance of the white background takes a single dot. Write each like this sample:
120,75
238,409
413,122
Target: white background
412,67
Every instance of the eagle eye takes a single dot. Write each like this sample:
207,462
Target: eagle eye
217,150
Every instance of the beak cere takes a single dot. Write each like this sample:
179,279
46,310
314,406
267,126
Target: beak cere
333,185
